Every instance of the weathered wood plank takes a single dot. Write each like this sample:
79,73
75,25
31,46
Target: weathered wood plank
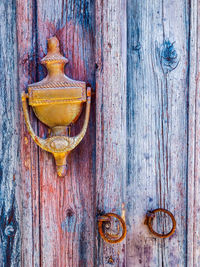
157,128
66,205
10,250
193,233
110,120
28,182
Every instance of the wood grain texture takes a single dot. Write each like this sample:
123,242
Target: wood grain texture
29,173
9,139
141,149
157,128
193,233
110,120
66,205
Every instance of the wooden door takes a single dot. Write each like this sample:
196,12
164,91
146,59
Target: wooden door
141,150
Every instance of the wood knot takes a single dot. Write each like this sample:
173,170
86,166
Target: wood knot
109,45
168,57
136,47
9,231
70,212
70,221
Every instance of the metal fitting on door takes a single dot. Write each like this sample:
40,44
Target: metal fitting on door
150,215
57,102
112,228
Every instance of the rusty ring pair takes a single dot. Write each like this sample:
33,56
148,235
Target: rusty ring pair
149,219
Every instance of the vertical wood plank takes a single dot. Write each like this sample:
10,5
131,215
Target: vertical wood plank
66,205
10,251
193,220
157,128
28,189
110,120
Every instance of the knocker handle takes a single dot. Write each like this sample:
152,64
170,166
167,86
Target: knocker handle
105,222
149,219
39,141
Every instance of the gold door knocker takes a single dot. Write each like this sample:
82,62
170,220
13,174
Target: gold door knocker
57,102
149,219
106,228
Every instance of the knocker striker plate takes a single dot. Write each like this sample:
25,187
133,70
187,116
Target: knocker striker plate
57,101
104,226
149,220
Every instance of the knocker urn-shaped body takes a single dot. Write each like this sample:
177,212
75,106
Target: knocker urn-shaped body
57,101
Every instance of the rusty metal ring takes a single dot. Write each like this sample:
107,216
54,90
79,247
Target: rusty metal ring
106,236
150,216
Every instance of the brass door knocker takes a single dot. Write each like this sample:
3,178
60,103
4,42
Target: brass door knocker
57,102
149,219
106,228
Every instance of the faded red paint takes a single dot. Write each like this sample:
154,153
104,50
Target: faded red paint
50,195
